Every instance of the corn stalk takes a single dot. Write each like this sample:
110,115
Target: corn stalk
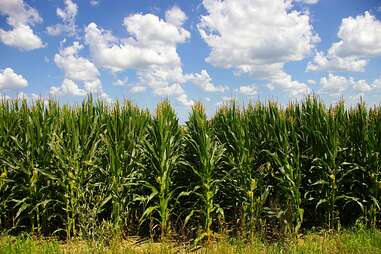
163,151
205,160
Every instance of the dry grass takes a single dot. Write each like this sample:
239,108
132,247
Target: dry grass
358,241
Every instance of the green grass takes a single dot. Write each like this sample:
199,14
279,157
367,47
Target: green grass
348,241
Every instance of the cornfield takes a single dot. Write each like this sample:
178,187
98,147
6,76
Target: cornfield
257,171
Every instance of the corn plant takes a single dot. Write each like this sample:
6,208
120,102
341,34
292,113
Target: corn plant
331,191
163,151
205,155
124,137
285,156
232,128
372,166
76,170
74,146
27,165
10,128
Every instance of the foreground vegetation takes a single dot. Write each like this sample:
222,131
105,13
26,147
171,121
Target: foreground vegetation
264,172
347,242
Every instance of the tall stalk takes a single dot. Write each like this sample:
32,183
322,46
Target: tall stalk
233,128
75,149
124,136
205,160
285,155
163,151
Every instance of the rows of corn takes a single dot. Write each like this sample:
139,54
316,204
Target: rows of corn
94,170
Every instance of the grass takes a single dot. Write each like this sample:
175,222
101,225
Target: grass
347,241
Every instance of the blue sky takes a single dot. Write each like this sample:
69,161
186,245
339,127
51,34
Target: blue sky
192,50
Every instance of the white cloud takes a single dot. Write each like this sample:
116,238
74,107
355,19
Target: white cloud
77,69
360,36
311,82
204,81
336,63
20,16
11,80
121,82
18,12
376,84
74,66
285,82
184,100
153,42
151,51
94,2
259,46
334,85
250,90
68,87
151,30
21,37
360,40
237,40
67,15
175,16
163,81
138,89
361,86
308,1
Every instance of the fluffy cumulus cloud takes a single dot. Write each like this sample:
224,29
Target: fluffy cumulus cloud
20,17
138,89
362,86
67,15
11,80
75,66
204,81
175,16
335,63
360,40
68,87
308,1
151,50
285,82
360,36
250,90
153,42
163,81
335,85
121,82
259,46
77,69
